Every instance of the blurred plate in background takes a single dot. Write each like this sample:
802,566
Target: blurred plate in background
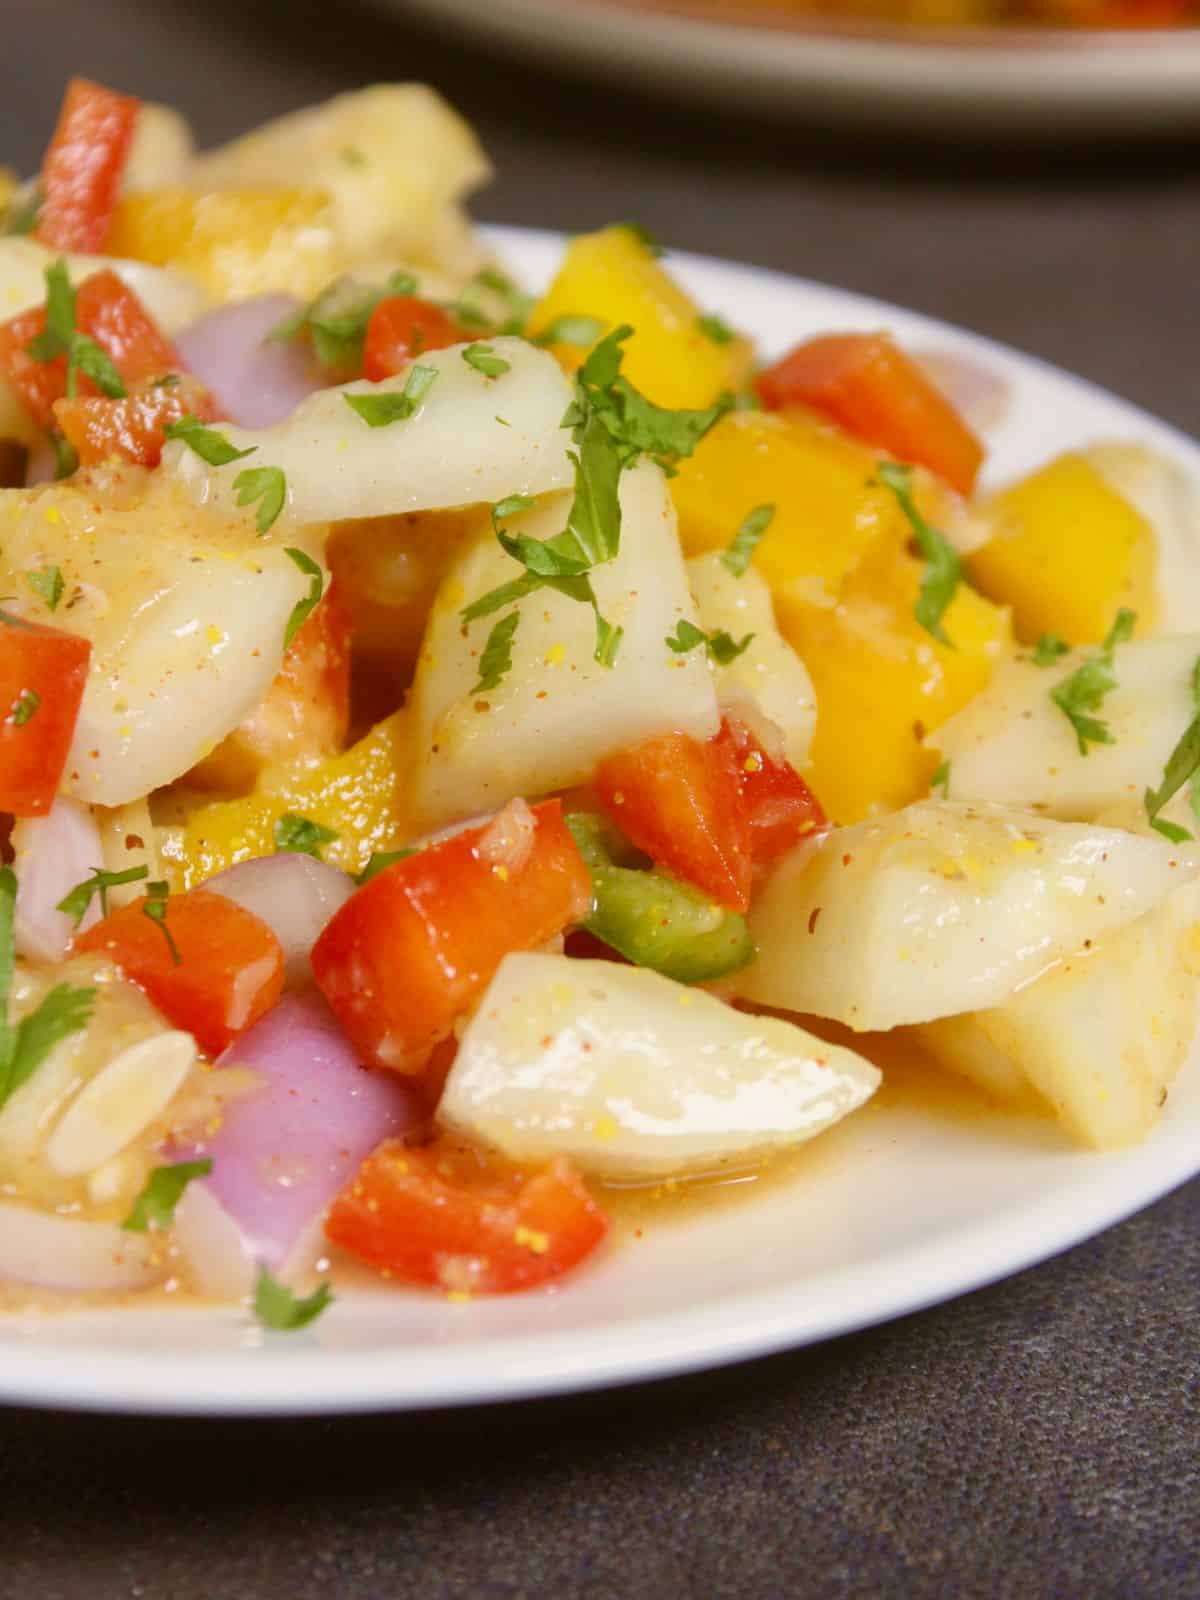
982,79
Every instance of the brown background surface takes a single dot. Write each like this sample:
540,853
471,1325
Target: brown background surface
1037,1438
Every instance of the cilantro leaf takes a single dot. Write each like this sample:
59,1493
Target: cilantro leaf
96,364
268,486
380,410
62,1012
48,583
608,639
716,329
301,835
336,320
162,1192
665,435
1048,649
594,520
155,907
207,443
745,541
496,598
1084,690
468,311
943,568
380,861
579,330
277,1308
76,903
24,707
496,659
61,337
1182,764
483,359
721,646
66,461
302,609
941,780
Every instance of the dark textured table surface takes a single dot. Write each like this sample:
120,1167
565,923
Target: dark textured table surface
1037,1438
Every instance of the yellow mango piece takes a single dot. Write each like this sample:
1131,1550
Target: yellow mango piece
828,509
358,794
1067,553
615,277
235,242
882,682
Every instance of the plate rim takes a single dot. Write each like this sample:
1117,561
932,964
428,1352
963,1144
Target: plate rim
263,1379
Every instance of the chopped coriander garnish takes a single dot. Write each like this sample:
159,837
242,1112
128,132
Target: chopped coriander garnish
303,608
1048,649
716,329
268,486
579,330
76,903
169,380
87,357
380,410
207,443
25,707
61,337
66,460
721,646
62,1012
162,1192
468,311
277,1308
745,541
48,583
380,861
301,835
608,639
157,896
1182,764
943,568
336,320
482,358
1084,690
496,659
941,780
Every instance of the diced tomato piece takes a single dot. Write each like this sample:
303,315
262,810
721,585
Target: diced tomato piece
442,1217
401,329
43,672
134,428
109,312
230,967
866,383
779,807
680,802
413,948
81,171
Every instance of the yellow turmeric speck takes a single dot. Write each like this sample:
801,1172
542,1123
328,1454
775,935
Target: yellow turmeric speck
555,655
533,1239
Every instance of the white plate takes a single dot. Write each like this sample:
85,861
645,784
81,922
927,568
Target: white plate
896,1210
994,81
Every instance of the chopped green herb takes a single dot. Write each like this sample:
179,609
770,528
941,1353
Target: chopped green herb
608,639
716,329
277,1308
943,568
482,358
157,896
1182,765
503,421
745,541
169,380
76,903
303,608
88,357
496,659
380,410
1084,690
25,706
721,646
301,835
268,486
1048,649
336,320
578,330
380,861
21,214
61,337
162,1192
207,443
941,780
48,583
469,311
66,460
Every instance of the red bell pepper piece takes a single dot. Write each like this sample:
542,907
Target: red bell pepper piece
43,672
81,171
135,427
779,807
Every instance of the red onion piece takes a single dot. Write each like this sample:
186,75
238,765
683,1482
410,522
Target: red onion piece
295,895
284,1151
53,854
53,1252
257,381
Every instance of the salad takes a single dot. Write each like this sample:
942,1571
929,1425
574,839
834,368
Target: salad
466,753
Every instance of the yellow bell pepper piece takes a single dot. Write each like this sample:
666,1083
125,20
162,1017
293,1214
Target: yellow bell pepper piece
828,508
1068,552
236,242
882,682
615,277
357,794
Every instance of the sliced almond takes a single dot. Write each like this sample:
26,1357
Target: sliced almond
120,1103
